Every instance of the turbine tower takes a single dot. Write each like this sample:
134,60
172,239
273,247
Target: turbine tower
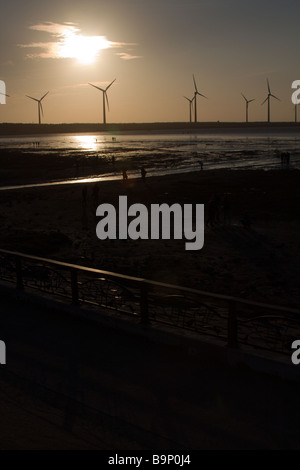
104,98
196,92
247,103
40,107
190,106
268,99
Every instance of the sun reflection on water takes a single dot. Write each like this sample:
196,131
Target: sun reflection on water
88,142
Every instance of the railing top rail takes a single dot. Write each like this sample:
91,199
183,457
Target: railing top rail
138,280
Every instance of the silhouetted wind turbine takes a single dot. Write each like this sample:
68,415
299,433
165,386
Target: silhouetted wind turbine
196,92
190,106
247,103
268,99
104,97
40,107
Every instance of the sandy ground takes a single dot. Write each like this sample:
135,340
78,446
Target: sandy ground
258,260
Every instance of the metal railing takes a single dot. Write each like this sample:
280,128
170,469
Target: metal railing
235,321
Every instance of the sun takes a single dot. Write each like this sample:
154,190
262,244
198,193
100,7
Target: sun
85,49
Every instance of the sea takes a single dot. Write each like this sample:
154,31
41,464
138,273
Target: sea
168,153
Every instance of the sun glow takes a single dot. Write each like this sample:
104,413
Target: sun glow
85,49
67,42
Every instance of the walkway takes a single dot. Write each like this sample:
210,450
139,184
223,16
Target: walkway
69,383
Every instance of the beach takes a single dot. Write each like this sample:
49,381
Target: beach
253,253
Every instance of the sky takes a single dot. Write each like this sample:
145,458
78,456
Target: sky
152,49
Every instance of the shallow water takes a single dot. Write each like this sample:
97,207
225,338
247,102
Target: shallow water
164,153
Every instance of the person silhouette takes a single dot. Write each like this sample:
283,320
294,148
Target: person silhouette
125,177
143,173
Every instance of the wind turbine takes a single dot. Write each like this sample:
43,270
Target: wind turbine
104,97
190,106
196,92
247,103
268,99
40,107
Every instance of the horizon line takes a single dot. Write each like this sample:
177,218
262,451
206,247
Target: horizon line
176,123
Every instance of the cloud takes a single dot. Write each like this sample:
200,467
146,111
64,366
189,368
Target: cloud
48,50
68,42
127,56
56,29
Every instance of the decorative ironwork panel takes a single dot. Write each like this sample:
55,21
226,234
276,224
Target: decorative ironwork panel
266,329
46,279
7,268
189,313
109,294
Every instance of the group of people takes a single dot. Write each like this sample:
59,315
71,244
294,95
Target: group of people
143,174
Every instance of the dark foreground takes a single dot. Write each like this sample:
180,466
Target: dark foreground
69,384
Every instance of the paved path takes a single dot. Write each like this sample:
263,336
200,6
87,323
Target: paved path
148,396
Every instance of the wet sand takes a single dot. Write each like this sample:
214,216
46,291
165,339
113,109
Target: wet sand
19,167
257,261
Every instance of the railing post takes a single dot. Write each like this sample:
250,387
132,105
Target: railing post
19,273
232,338
144,303
74,287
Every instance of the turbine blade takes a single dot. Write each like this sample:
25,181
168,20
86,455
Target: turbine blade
244,97
110,84
195,84
274,97
106,100
32,98
44,96
188,99
268,85
202,95
98,88
265,100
